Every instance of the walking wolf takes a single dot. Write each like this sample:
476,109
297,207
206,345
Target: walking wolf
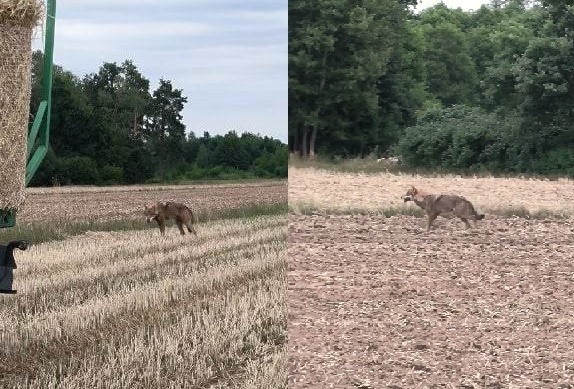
162,211
434,205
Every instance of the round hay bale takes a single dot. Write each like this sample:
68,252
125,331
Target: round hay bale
17,21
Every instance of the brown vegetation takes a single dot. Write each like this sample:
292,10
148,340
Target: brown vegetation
23,13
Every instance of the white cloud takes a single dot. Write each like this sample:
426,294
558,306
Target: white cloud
278,16
109,32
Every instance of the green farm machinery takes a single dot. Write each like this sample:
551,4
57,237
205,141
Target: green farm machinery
37,147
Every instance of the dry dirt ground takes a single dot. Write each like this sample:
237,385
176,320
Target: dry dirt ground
380,303
337,191
127,202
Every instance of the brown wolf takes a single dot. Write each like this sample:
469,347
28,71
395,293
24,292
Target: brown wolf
162,211
434,205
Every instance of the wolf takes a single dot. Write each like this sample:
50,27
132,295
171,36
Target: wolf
162,211
434,205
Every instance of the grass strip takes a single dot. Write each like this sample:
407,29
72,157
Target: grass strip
40,232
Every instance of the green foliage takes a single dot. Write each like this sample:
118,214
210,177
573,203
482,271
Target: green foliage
202,156
491,89
338,50
109,128
455,138
111,174
463,138
163,126
451,74
77,170
401,90
556,161
231,153
272,165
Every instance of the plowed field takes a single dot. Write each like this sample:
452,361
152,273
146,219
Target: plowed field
378,302
127,202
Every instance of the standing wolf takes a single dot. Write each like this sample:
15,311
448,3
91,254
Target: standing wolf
162,211
434,205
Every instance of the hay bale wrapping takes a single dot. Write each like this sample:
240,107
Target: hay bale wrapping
18,18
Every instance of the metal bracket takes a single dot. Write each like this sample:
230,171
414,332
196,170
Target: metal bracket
8,264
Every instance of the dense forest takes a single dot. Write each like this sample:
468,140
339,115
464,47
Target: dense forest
109,128
490,89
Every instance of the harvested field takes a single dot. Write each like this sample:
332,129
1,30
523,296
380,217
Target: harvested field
127,202
377,302
133,309
324,190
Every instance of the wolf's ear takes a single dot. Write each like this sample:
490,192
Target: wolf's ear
413,189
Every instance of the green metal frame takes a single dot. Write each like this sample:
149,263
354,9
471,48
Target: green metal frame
39,129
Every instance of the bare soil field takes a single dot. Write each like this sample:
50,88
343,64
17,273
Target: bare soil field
127,202
133,309
349,192
377,302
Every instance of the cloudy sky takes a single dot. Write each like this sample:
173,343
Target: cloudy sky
228,56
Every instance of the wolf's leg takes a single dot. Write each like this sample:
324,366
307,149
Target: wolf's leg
161,224
431,217
466,223
188,220
180,226
190,228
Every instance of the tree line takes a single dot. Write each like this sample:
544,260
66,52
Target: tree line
491,89
110,128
